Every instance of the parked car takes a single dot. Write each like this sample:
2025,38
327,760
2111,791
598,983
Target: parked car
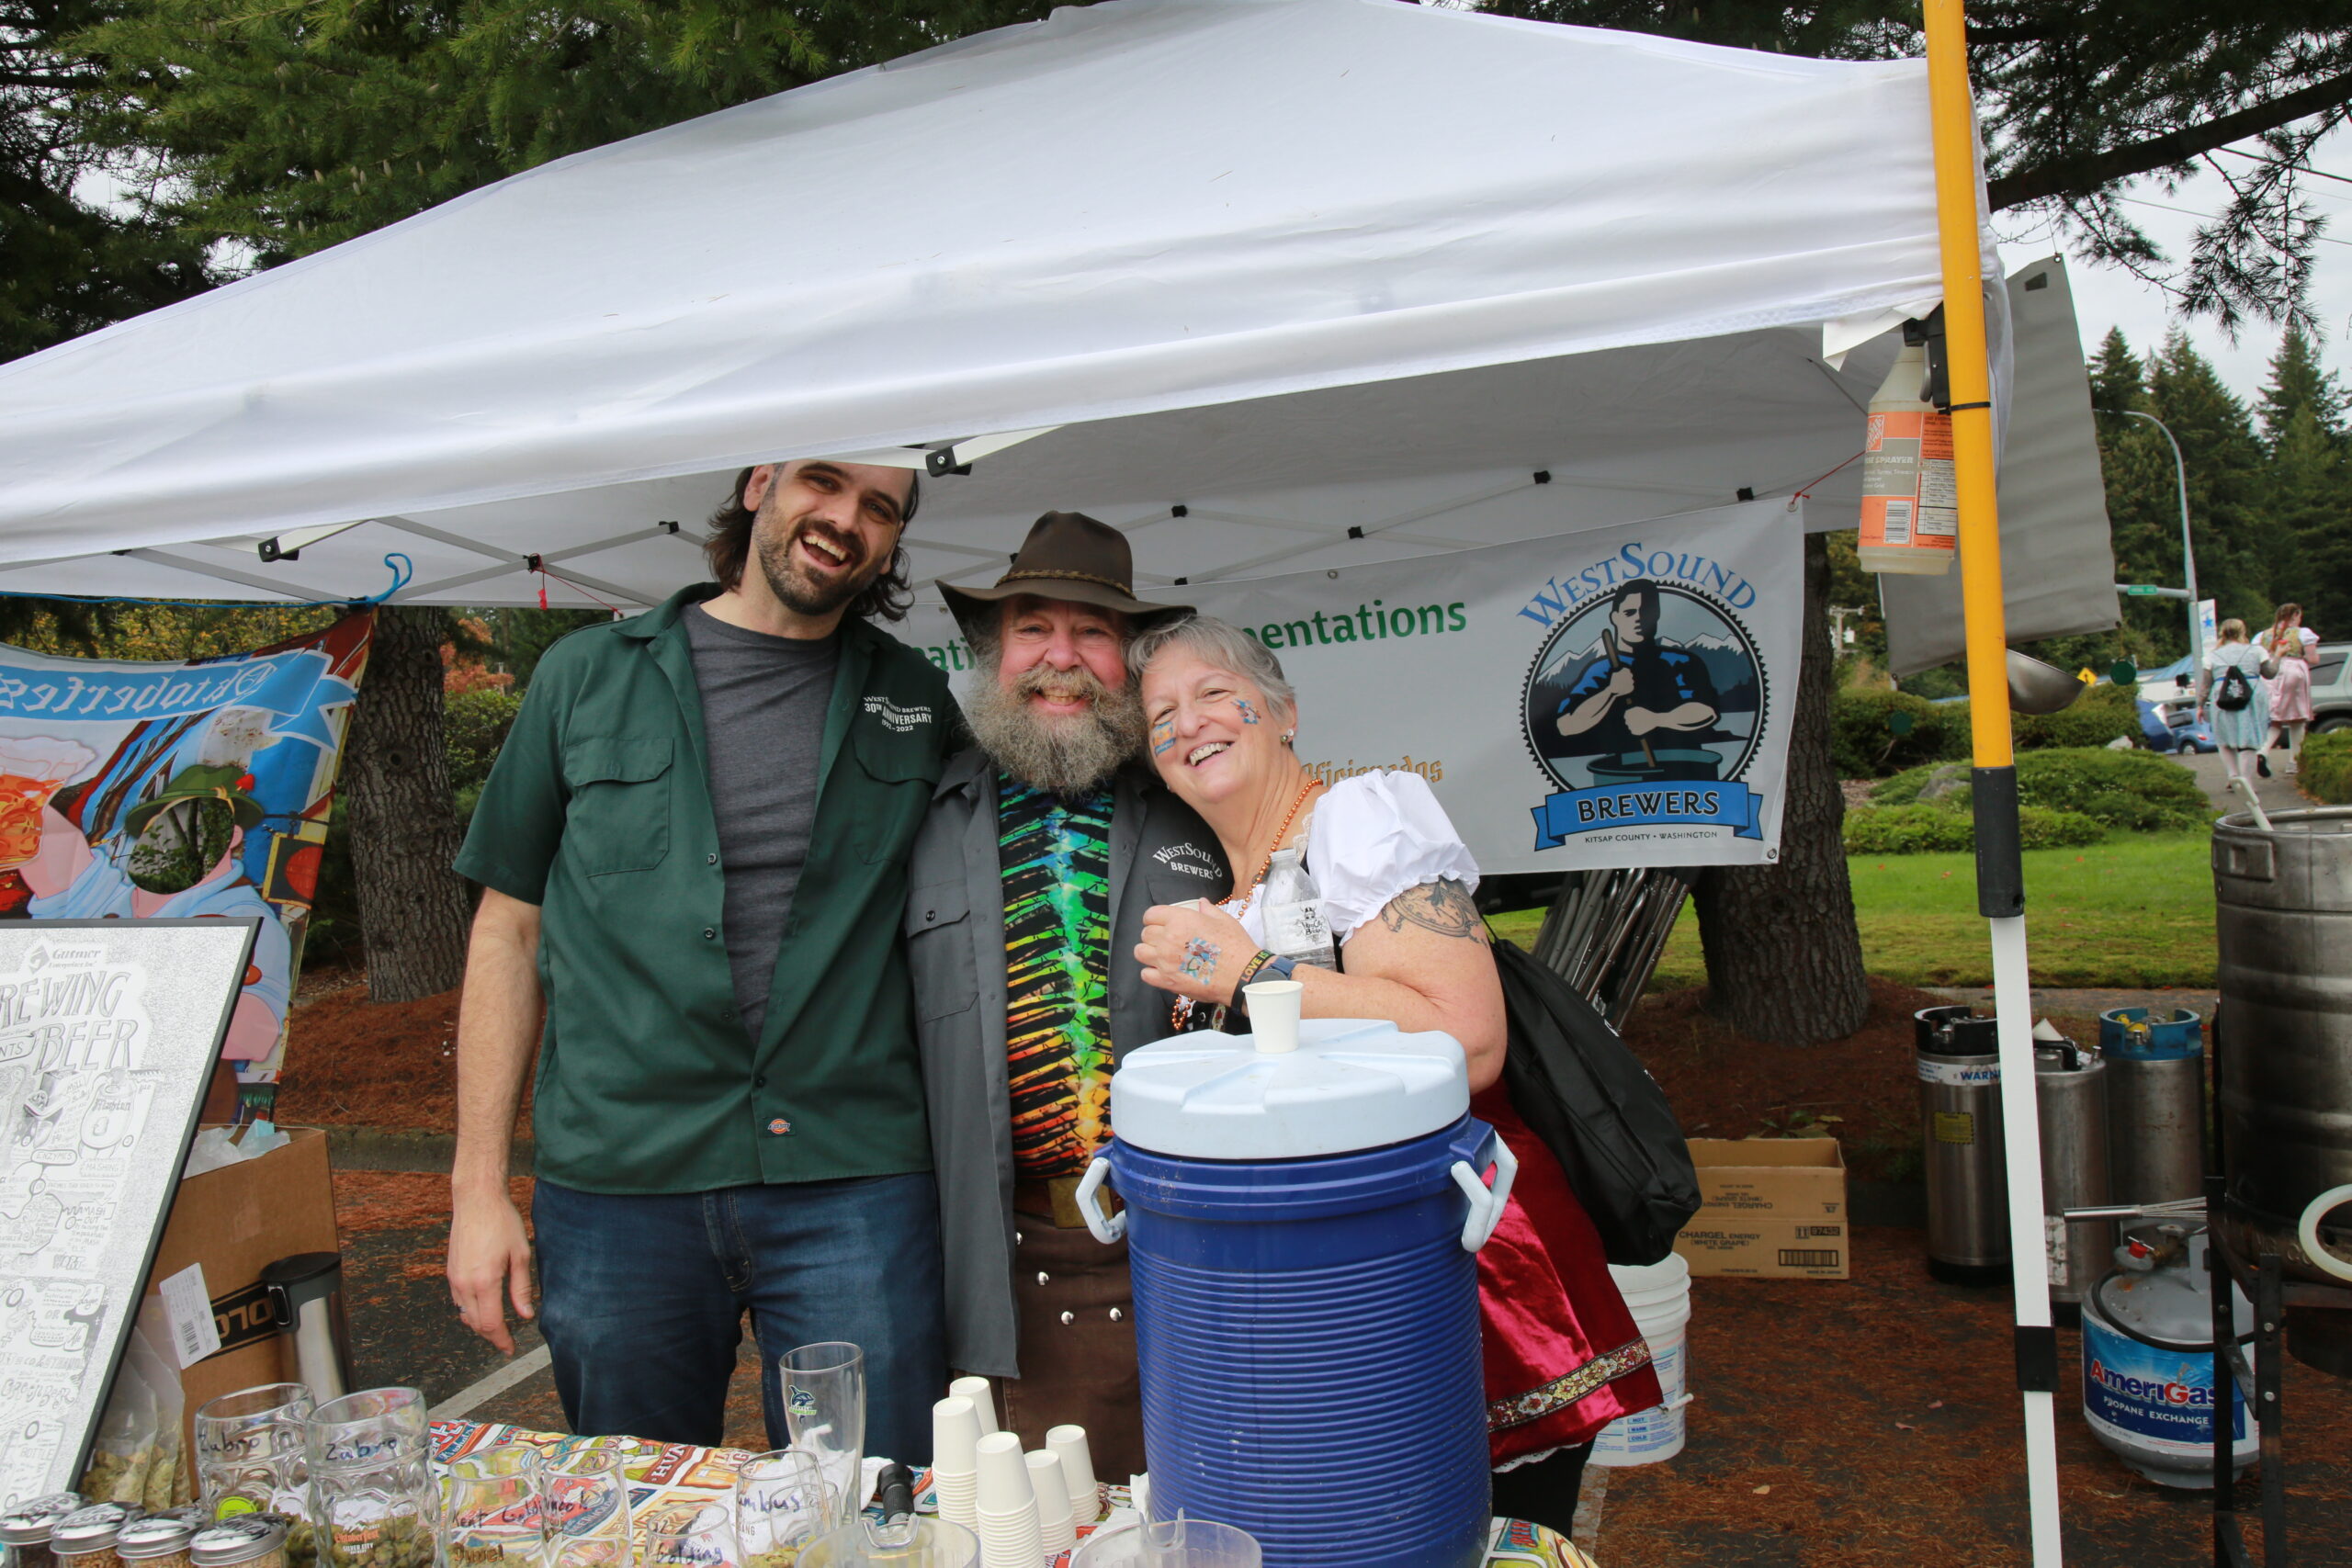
2332,686
2173,727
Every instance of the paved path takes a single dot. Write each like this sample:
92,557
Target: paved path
2277,793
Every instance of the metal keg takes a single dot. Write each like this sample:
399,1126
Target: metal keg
2070,1100
2156,1104
1960,1115
2283,1069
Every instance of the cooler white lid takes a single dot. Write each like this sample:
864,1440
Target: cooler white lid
1352,1083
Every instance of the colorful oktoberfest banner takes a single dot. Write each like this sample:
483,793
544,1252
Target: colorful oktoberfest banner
180,790
1615,697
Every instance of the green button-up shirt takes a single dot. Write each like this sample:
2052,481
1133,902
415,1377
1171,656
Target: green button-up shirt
599,812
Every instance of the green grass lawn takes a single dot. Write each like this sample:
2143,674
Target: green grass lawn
2136,910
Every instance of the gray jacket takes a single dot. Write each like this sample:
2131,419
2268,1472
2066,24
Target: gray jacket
1160,853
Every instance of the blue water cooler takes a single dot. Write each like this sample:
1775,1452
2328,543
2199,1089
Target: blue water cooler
1303,1224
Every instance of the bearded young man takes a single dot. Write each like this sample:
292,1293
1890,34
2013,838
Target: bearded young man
697,833
1044,845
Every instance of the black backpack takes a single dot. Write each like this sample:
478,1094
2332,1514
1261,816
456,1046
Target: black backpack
2234,691
1580,1090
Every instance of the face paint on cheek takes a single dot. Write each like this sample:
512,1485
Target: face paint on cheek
1249,714
1164,737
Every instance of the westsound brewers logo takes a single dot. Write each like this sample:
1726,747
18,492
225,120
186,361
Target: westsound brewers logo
1645,701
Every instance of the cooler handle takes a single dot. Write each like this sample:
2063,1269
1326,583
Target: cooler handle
1485,1204
1106,1228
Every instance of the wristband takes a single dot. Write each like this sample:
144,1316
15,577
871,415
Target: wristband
1249,972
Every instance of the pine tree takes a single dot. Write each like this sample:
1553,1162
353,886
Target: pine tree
2310,461
2235,538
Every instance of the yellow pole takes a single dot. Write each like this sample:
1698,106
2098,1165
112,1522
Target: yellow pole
2000,876
1971,383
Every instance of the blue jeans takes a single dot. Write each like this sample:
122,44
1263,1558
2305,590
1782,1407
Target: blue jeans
642,1297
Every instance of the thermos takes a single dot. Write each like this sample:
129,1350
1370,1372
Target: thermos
1960,1111
305,1293
1303,1211
2156,1104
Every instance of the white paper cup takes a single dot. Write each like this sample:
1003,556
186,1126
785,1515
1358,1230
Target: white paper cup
1274,1014
1003,1477
1045,1479
955,1430
1077,1469
1011,1540
958,1496
983,1401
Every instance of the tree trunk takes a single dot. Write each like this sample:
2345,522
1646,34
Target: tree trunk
414,908
1784,956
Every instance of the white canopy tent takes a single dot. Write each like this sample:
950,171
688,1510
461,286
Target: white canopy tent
1296,265
1285,283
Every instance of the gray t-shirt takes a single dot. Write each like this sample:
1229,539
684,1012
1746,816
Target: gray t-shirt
763,702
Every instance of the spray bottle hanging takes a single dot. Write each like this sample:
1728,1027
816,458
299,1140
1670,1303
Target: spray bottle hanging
1910,500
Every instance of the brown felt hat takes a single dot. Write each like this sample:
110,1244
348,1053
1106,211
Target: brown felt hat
1067,555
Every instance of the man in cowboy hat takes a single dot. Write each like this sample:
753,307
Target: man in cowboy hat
1044,844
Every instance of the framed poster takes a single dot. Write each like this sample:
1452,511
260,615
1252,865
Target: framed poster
108,1032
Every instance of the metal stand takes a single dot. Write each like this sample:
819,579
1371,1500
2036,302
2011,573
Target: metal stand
2264,1284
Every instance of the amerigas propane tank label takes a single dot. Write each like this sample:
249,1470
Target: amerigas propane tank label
2158,1398
1956,1075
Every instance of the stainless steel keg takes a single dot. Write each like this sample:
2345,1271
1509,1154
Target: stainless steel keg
2156,1104
1960,1114
2283,1047
2070,1101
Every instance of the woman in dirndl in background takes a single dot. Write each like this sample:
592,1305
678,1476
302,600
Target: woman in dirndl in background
1391,882
2290,644
2235,666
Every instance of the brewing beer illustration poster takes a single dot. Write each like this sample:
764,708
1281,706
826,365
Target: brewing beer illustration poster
180,790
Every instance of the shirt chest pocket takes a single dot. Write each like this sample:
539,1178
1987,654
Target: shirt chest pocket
900,771
618,818
939,949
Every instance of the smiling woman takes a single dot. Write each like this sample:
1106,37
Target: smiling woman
1359,890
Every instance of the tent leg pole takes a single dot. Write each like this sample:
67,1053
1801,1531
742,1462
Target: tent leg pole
2000,880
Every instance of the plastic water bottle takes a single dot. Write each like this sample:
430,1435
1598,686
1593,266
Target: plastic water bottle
1292,909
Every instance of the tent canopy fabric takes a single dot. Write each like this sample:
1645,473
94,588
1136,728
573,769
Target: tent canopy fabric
1295,265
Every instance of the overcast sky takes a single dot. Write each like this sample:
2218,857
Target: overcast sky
2110,297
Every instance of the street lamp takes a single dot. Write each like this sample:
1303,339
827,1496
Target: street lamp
2188,551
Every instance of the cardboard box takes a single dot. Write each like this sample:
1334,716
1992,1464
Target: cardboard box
1769,1208
236,1222
1782,1179
1766,1250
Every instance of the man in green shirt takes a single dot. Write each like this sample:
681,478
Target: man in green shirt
693,851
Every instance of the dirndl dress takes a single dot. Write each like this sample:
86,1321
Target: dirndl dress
2244,729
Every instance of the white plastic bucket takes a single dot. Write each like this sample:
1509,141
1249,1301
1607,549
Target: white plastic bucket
1658,1295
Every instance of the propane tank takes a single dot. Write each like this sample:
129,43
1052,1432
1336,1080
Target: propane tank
1910,499
2155,1105
2148,1388
2070,1100
1960,1113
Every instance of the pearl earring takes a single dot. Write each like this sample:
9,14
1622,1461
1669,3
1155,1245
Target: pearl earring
1288,734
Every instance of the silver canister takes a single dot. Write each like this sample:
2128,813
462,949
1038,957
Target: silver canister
2156,1104
2070,1102
1960,1114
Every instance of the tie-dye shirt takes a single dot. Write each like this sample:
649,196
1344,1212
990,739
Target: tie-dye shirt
1056,856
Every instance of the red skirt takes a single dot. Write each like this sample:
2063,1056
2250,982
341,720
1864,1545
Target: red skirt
1562,1358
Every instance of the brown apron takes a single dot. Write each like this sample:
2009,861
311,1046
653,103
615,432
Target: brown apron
1077,1344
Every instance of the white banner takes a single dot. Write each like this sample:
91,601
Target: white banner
1615,697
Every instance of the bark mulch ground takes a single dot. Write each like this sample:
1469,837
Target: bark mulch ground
351,1063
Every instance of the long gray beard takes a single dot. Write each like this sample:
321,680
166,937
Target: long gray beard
1062,757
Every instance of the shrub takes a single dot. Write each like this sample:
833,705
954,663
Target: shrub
476,723
2325,772
2136,790
2096,717
1926,830
1864,745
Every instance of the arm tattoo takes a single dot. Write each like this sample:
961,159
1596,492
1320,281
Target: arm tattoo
1444,907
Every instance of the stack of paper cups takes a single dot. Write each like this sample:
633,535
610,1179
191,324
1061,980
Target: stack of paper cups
1053,1527
977,1391
1008,1506
955,1436
1078,1468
